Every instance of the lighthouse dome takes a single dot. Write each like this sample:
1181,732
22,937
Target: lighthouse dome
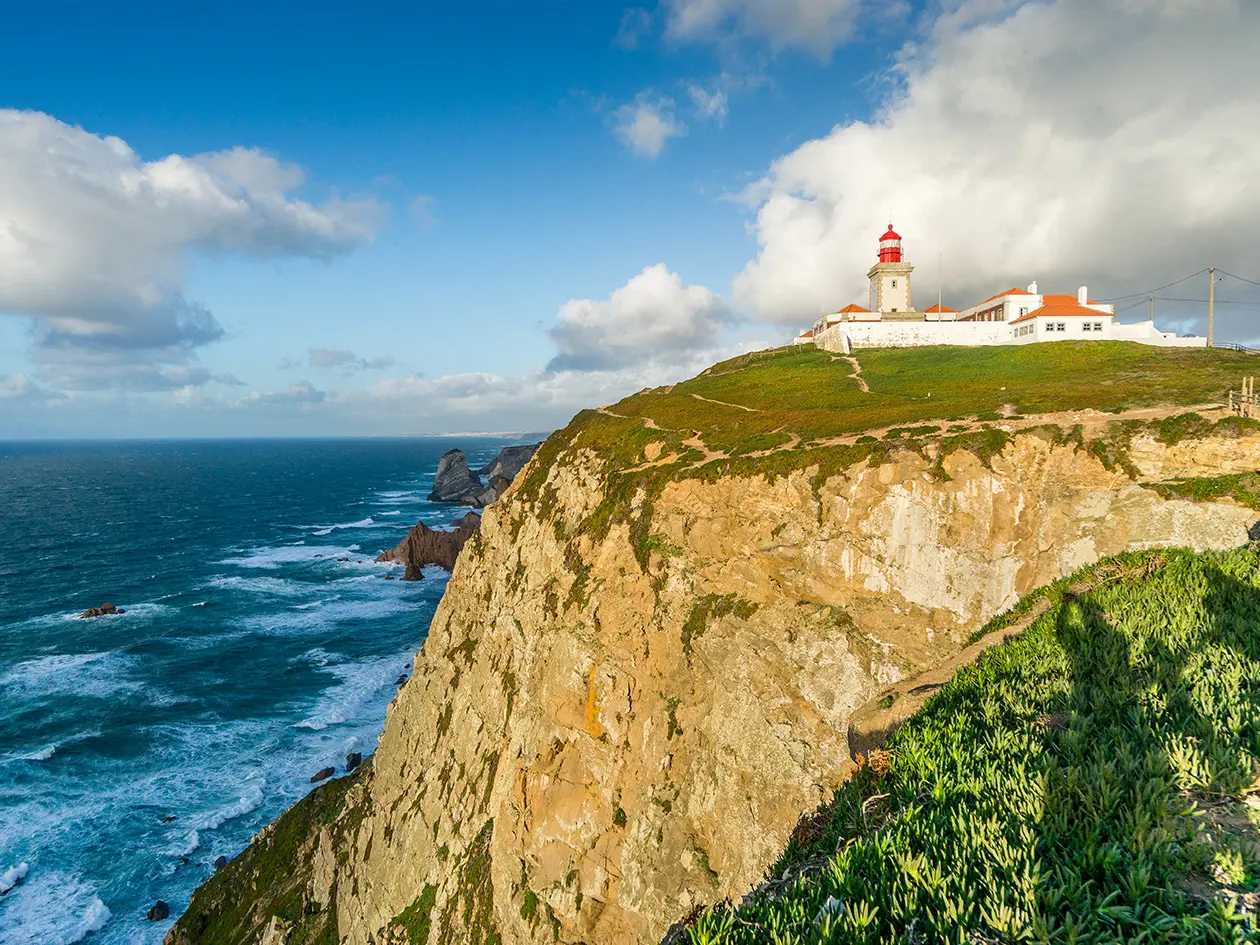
890,235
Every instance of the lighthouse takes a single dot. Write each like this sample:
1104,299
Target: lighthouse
890,280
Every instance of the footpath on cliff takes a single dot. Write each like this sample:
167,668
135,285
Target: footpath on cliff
652,699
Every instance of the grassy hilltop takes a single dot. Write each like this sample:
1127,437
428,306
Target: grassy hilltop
787,409
1096,780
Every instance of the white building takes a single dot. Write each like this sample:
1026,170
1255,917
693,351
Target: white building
1013,317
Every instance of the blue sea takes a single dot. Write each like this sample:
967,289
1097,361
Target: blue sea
260,644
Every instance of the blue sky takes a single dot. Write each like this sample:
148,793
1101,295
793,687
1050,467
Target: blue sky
493,175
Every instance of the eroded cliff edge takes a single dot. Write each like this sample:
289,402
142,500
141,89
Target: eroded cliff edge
643,667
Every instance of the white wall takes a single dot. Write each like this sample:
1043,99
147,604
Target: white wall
911,334
918,334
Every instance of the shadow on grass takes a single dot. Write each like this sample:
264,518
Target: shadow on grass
1142,837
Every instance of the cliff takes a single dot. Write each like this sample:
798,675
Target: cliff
644,666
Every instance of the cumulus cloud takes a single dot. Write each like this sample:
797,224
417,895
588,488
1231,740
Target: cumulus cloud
818,26
654,316
94,240
1104,142
645,124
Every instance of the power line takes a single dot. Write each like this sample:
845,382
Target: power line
1149,292
1163,298
1239,278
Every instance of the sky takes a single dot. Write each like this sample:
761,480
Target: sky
324,219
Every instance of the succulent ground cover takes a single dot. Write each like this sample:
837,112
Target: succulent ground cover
1095,780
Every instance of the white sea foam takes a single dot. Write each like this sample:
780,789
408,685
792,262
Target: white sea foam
12,876
395,512
88,674
329,529
52,909
359,686
270,557
42,754
249,801
191,842
277,587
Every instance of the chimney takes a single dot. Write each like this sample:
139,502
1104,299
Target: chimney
1082,295
1032,287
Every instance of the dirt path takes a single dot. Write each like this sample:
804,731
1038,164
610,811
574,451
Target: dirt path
857,373
723,403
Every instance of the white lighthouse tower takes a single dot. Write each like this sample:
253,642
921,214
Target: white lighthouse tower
890,281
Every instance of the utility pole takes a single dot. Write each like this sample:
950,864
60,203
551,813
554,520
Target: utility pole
940,292
1152,308
1212,307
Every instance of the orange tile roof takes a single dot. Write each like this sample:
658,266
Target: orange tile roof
940,308
853,307
808,333
1062,306
1007,292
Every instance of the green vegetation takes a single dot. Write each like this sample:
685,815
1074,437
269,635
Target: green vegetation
271,877
804,407
1243,488
468,915
707,608
1082,783
415,918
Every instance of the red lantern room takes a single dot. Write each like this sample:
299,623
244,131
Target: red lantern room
890,246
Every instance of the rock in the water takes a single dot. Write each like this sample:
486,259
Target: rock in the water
220,862
400,680
105,610
389,577
323,774
168,818
424,545
454,481
159,912
509,462
353,760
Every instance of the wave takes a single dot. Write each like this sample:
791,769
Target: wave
360,685
83,674
270,557
52,909
368,522
395,512
42,754
12,876
251,800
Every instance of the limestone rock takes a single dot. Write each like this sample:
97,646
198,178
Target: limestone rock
454,481
424,545
158,912
510,461
105,610
607,729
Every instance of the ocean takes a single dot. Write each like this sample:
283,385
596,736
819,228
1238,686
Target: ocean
260,644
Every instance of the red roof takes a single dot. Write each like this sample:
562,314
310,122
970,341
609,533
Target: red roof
1007,292
851,308
1062,306
808,333
890,235
940,308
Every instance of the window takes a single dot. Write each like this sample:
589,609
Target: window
1062,326
1049,326
893,309
1097,326
894,283
1088,327
1023,311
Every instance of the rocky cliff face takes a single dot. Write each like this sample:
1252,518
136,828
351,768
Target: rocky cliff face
622,709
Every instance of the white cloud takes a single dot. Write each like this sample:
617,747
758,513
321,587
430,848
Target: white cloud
300,394
14,387
346,360
646,124
421,209
818,26
654,316
1105,142
636,23
711,105
94,240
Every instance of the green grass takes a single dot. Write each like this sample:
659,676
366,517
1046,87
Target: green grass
1055,792
804,392
1243,488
